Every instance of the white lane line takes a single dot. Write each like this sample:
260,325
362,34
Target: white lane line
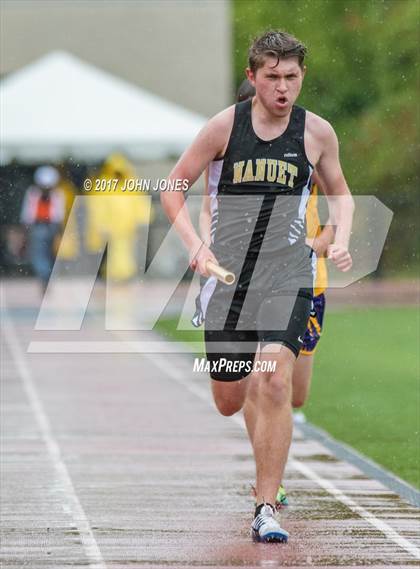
383,527
72,503
387,530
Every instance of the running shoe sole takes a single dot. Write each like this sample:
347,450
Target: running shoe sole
272,537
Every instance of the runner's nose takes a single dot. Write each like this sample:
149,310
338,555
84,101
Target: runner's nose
281,86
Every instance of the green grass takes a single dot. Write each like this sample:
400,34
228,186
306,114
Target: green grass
365,389
167,328
365,386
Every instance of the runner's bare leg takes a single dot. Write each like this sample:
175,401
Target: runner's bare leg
301,381
268,414
229,396
250,404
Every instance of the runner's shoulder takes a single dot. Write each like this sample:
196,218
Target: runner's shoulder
223,121
318,127
219,129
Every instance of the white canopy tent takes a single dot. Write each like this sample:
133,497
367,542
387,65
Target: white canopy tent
60,107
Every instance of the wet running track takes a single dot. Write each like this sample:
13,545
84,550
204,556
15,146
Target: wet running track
120,461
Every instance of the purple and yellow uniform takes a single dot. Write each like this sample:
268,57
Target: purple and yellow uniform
316,318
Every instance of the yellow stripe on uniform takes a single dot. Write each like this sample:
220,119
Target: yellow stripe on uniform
313,230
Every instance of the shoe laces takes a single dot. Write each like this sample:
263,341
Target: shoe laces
267,511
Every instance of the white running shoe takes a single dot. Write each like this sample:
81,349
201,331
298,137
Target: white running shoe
299,417
266,528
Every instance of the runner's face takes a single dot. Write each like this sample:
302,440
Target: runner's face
278,86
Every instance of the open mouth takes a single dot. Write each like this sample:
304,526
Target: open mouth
281,100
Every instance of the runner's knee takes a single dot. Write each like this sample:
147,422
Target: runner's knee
298,401
277,388
227,407
253,386
228,396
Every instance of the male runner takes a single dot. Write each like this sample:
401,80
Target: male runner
270,148
319,238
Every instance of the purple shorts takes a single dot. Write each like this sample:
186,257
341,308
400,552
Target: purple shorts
314,329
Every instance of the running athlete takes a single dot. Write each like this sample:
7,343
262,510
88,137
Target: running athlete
318,238
269,148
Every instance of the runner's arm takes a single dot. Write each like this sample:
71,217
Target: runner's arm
205,212
340,201
319,243
209,143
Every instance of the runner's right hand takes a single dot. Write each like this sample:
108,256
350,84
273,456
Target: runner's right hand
199,262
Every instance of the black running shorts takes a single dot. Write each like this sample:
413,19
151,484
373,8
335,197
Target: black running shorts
270,304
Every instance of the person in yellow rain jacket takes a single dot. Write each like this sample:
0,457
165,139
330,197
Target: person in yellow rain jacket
68,245
114,216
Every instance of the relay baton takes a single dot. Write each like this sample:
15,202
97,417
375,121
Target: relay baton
220,273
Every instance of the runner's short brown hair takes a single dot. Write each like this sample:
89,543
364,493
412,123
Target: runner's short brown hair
275,44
